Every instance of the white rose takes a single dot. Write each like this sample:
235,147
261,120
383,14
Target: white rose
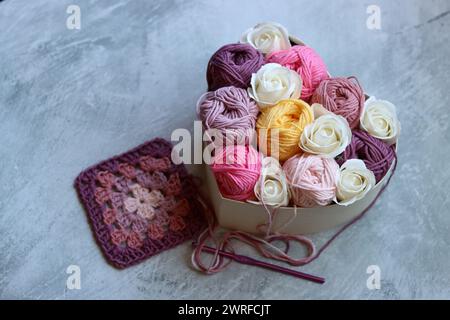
328,135
273,83
272,186
379,119
354,182
267,37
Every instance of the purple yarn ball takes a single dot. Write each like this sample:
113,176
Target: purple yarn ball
377,155
233,65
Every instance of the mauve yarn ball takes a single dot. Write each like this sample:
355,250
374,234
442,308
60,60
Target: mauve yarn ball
229,110
233,65
377,155
342,96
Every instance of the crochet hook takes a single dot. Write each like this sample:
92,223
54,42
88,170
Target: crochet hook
253,262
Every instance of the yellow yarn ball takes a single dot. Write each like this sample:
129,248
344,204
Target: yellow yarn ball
288,118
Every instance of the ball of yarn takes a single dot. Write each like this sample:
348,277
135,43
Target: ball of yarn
237,169
312,179
377,155
233,65
281,126
307,63
342,96
231,111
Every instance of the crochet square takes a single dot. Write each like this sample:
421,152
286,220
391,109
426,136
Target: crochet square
140,203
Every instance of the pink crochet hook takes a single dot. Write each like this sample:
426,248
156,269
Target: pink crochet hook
253,262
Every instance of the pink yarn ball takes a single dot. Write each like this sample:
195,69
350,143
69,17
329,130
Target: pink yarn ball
237,169
307,63
312,179
342,96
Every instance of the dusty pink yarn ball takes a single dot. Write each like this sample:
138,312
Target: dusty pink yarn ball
306,62
342,96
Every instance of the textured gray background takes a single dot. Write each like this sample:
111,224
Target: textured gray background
134,71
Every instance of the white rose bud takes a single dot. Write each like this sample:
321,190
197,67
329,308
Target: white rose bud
273,83
328,135
354,182
379,119
272,186
267,37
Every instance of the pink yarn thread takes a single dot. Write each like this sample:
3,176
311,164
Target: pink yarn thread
312,179
237,169
229,110
307,63
342,96
263,246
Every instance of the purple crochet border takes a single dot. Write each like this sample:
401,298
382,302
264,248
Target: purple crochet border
85,185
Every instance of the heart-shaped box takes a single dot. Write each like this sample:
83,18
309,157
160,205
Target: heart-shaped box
249,217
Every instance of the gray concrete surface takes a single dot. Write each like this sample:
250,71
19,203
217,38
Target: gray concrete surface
69,98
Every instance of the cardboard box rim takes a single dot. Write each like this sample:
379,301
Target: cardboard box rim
245,216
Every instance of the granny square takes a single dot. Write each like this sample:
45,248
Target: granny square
140,203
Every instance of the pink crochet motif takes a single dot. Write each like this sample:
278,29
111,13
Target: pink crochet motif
140,203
